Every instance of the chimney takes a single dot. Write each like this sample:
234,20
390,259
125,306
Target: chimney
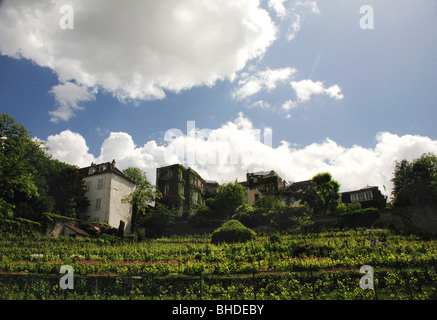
113,163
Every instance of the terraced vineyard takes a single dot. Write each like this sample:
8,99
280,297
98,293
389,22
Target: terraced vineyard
302,266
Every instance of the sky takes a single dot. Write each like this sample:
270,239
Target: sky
224,86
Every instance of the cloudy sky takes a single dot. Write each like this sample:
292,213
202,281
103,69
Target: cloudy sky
226,86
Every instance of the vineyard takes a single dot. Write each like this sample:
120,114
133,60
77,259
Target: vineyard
321,266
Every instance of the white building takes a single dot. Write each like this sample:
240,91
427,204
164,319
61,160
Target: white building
106,186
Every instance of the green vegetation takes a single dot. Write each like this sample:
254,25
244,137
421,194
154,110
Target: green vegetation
232,231
31,182
321,265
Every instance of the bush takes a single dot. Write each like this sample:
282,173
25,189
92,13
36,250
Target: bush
232,231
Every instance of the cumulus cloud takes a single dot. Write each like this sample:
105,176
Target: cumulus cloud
250,84
136,50
68,96
278,7
306,88
70,147
228,152
293,12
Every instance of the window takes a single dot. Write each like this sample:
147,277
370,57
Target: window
98,203
354,197
166,189
369,195
88,186
195,197
91,171
100,184
256,196
102,168
183,191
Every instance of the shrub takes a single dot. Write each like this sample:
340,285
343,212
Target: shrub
232,231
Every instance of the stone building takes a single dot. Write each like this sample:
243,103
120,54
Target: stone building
261,183
183,188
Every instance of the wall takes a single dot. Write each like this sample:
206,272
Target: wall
94,192
120,187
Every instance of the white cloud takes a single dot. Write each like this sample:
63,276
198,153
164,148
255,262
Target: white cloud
228,152
288,105
137,49
251,84
312,5
67,96
306,88
70,147
278,7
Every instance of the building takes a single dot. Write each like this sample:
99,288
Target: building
292,194
260,183
368,197
183,188
106,186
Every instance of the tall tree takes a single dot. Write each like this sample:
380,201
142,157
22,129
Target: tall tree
143,195
31,182
228,198
16,174
415,183
322,194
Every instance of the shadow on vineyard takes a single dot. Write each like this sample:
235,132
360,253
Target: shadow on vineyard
313,266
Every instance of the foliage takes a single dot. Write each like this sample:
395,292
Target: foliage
17,180
229,197
232,231
269,202
31,182
415,183
322,265
157,220
141,197
322,194
347,208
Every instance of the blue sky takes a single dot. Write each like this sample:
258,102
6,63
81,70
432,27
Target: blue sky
304,69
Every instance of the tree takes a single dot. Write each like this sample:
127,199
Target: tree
269,203
415,183
228,198
322,194
31,182
141,197
16,174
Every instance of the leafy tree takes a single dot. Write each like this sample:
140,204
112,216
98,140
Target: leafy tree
322,194
157,220
415,183
269,203
16,174
228,198
31,182
143,195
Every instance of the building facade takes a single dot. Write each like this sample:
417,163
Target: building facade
368,197
183,188
261,183
106,186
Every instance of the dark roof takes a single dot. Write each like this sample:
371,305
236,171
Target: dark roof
110,167
78,231
211,182
361,190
